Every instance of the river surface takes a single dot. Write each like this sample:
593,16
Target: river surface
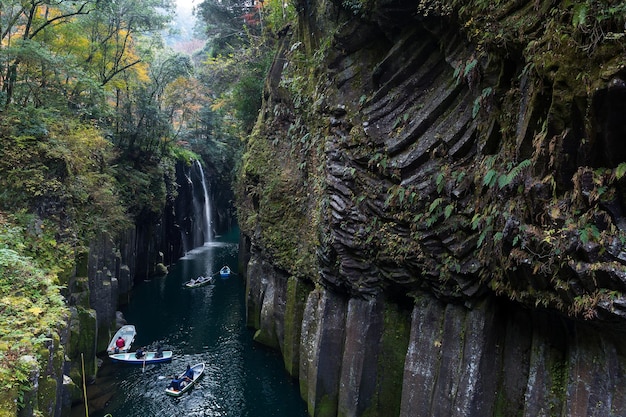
205,324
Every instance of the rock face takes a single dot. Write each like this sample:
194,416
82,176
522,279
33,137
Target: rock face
433,205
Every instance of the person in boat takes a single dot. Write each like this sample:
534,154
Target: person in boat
119,344
175,384
188,376
140,353
159,352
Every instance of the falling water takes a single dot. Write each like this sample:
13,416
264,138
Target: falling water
208,237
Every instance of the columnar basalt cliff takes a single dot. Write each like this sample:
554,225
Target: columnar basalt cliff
433,201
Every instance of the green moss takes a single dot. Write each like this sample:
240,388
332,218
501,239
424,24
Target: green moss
161,269
265,338
183,154
297,292
48,385
8,405
47,395
82,336
276,208
394,345
325,407
558,388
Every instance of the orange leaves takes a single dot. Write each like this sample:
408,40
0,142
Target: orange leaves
184,98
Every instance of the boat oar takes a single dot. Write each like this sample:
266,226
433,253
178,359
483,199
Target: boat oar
144,364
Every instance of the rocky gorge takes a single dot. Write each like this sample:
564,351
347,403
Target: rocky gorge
432,206
102,280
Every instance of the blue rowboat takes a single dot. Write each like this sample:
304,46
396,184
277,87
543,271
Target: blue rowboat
148,358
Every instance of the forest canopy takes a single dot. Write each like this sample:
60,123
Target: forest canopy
99,71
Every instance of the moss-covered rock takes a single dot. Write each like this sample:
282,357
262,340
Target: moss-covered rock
394,344
82,344
297,292
160,269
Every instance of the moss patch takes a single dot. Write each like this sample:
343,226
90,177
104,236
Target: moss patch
394,345
82,336
297,292
326,407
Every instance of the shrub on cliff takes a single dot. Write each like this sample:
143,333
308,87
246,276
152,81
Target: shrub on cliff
31,312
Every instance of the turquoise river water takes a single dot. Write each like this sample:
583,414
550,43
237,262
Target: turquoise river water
205,324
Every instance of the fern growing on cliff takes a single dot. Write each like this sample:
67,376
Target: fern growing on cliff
492,177
505,180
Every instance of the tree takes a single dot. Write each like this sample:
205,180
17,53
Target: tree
72,45
228,23
183,100
22,22
114,30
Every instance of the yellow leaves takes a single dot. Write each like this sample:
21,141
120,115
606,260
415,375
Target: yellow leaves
141,70
14,301
555,212
218,104
185,93
83,146
48,12
36,311
116,84
183,98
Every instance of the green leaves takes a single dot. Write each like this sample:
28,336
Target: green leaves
492,176
620,170
579,15
589,233
30,309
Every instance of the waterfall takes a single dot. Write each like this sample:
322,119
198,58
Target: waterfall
206,208
194,209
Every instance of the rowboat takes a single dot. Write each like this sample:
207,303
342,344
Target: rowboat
127,333
198,282
150,357
225,271
176,389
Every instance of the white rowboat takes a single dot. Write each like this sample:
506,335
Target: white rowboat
198,370
225,271
127,333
